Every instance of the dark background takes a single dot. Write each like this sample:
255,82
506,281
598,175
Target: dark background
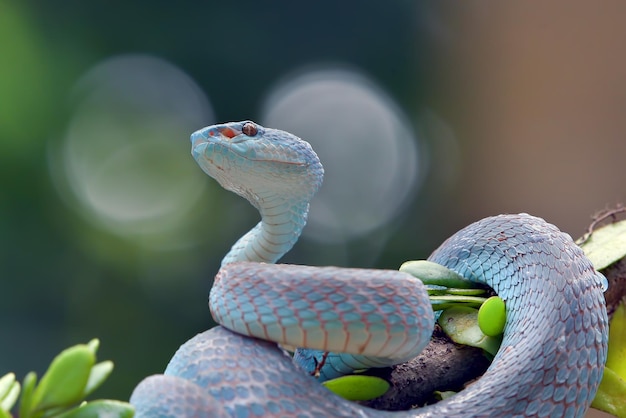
518,107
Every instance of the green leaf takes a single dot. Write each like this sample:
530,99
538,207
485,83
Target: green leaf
101,408
7,402
492,316
28,388
611,395
6,382
99,373
358,387
442,302
9,391
461,325
435,274
606,245
616,358
93,345
64,382
465,292
4,414
444,394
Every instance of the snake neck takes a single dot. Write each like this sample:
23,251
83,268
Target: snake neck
282,221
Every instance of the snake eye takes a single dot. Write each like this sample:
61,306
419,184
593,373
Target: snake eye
249,129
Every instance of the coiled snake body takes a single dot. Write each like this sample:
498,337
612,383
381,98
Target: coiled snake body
555,340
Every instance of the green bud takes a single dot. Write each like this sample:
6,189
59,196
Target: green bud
492,316
357,387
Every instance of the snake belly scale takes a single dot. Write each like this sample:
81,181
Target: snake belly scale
550,362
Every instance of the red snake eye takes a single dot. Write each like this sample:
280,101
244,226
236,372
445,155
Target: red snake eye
249,129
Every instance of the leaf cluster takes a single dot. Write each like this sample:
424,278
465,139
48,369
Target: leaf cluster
71,377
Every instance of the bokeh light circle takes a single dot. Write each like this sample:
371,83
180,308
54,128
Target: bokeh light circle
124,162
371,156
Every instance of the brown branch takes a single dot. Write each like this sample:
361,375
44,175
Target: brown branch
599,218
442,365
616,293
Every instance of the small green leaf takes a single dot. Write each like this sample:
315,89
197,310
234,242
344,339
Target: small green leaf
101,408
440,290
448,301
492,316
358,387
93,345
606,245
8,385
64,382
444,394
435,274
466,292
6,382
28,388
611,395
461,325
8,398
99,373
616,358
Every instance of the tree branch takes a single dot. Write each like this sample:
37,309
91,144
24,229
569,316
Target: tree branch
442,365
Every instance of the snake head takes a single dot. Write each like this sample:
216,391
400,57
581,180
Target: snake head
257,162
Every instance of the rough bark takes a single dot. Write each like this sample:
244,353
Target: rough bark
616,275
442,365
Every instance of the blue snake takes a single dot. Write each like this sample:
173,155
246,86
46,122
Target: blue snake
552,355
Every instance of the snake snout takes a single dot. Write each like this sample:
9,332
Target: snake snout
197,138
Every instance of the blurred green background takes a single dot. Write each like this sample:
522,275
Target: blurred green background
427,116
